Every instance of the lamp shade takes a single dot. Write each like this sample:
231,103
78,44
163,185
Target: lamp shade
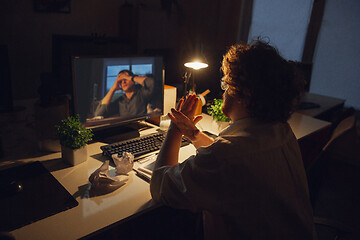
197,63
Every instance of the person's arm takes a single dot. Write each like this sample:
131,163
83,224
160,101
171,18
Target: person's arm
202,140
113,89
183,123
169,152
148,86
107,110
188,128
138,79
108,96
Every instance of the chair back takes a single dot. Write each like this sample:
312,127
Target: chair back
317,169
344,126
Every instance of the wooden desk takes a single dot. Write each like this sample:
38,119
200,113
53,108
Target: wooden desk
328,105
134,198
302,125
93,213
312,135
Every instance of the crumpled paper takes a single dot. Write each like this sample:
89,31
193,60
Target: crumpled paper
124,164
102,183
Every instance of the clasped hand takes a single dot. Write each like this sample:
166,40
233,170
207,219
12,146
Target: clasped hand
184,119
120,77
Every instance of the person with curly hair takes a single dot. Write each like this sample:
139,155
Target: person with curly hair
264,81
249,182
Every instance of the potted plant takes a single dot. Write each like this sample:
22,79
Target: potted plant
73,140
220,120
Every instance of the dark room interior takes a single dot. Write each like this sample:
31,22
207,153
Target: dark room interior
39,39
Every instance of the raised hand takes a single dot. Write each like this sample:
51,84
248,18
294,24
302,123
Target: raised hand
188,107
183,117
117,83
120,77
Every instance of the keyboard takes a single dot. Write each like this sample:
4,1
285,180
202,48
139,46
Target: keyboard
140,147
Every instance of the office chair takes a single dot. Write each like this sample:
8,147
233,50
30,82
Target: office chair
315,175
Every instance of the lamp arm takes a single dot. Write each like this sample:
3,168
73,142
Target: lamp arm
187,76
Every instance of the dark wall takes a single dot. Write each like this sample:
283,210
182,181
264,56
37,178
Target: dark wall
28,35
6,103
172,28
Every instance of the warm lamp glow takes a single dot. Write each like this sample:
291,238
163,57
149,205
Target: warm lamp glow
196,65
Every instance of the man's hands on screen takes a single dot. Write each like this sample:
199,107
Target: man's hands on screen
120,77
117,83
183,116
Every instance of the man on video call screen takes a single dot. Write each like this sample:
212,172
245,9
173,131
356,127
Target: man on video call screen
134,101
117,89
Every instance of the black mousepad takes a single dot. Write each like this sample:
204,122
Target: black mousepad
29,193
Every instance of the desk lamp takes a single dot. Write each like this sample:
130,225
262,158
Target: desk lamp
194,64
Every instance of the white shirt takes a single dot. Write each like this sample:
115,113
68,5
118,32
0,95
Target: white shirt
250,184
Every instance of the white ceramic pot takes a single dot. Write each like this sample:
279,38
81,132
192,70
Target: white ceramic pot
74,156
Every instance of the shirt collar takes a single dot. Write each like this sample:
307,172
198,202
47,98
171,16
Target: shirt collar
239,125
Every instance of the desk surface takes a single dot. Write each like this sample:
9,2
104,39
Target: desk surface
304,126
95,213
301,125
326,104
92,213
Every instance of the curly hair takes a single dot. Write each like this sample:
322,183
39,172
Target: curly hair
266,82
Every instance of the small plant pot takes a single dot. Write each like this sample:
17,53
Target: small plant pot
74,156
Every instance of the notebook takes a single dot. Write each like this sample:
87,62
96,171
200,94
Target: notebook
144,167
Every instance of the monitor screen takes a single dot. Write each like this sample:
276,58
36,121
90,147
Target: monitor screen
112,91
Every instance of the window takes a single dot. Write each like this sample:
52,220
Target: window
111,73
141,69
141,66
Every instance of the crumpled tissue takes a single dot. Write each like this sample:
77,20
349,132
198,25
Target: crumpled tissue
102,183
124,164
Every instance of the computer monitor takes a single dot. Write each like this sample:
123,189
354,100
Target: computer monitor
93,76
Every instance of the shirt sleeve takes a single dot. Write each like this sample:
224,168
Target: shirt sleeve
148,88
100,109
107,110
189,185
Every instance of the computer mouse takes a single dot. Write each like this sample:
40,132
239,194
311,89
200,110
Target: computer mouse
10,188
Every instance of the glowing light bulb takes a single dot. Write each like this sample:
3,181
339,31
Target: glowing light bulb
196,65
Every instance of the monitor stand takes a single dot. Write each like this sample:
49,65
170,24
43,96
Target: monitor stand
120,133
